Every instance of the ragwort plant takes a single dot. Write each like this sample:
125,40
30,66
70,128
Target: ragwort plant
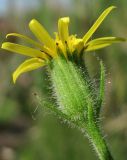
77,101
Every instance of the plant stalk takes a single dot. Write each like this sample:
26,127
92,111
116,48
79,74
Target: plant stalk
98,142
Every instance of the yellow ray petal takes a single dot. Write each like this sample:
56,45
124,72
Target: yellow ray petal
106,40
41,34
27,39
63,28
56,36
34,43
28,65
78,45
27,51
96,47
97,23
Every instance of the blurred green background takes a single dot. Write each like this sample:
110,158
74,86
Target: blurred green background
27,131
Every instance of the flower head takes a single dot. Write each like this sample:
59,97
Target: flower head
47,48
74,97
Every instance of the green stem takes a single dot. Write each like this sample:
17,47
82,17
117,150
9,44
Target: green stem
98,142
75,99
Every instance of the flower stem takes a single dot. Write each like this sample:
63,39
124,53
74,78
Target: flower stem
76,100
98,142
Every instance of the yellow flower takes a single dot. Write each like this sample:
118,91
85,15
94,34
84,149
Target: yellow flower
47,48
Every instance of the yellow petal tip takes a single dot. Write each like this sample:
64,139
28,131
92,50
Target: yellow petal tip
14,78
112,7
4,45
10,34
7,35
14,81
65,19
33,21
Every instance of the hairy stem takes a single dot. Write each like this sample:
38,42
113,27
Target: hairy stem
75,100
98,142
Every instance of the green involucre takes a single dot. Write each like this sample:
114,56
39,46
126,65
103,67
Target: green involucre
71,89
